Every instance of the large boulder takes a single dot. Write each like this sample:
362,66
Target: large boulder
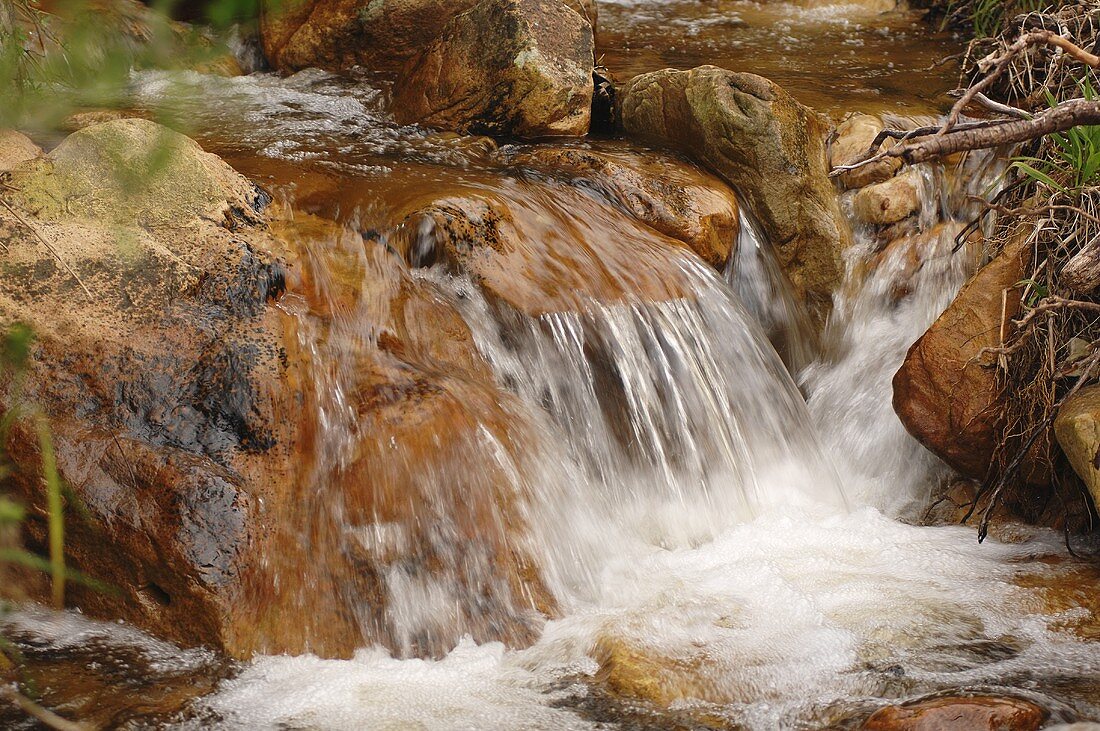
672,196
245,476
1077,428
764,143
504,67
945,392
379,35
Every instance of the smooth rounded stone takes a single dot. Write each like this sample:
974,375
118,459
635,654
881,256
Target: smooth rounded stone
133,171
15,148
1077,428
854,137
504,67
379,35
638,673
769,147
672,196
959,713
888,202
79,120
944,393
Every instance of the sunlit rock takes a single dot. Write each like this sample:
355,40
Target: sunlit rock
945,393
133,171
854,137
888,202
15,148
673,197
504,67
765,144
959,713
1077,427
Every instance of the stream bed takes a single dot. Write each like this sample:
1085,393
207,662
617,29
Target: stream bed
750,555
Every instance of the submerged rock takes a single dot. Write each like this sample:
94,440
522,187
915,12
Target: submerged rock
537,260
672,196
945,392
1077,428
765,144
503,67
959,713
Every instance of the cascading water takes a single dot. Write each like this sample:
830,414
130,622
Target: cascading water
652,459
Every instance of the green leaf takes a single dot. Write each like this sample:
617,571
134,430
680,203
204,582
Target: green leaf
1037,175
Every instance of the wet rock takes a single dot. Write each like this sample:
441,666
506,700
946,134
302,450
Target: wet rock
15,148
888,202
853,139
186,409
959,713
504,67
944,393
641,674
88,117
536,262
673,197
1077,428
764,143
380,35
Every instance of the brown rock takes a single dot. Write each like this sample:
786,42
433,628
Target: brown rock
1077,428
503,67
186,416
764,143
15,148
965,713
888,202
944,393
672,196
538,260
380,35
853,139
641,674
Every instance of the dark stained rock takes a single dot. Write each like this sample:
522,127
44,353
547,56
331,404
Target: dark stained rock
959,713
504,67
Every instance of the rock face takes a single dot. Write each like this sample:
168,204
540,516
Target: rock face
503,67
944,394
186,414
669,195
967,713
380,35
16,148
1077,428
764,143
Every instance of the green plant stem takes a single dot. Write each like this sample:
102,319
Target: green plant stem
56,515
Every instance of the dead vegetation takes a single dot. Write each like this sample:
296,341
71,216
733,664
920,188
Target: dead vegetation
1030,89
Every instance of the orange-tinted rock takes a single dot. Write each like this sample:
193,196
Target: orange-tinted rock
672,196
225,452
504,67
767,146
945,393
380,35
959,713
889,201
853,139
1077,428
538,262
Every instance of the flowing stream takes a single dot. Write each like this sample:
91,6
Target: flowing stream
728,532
